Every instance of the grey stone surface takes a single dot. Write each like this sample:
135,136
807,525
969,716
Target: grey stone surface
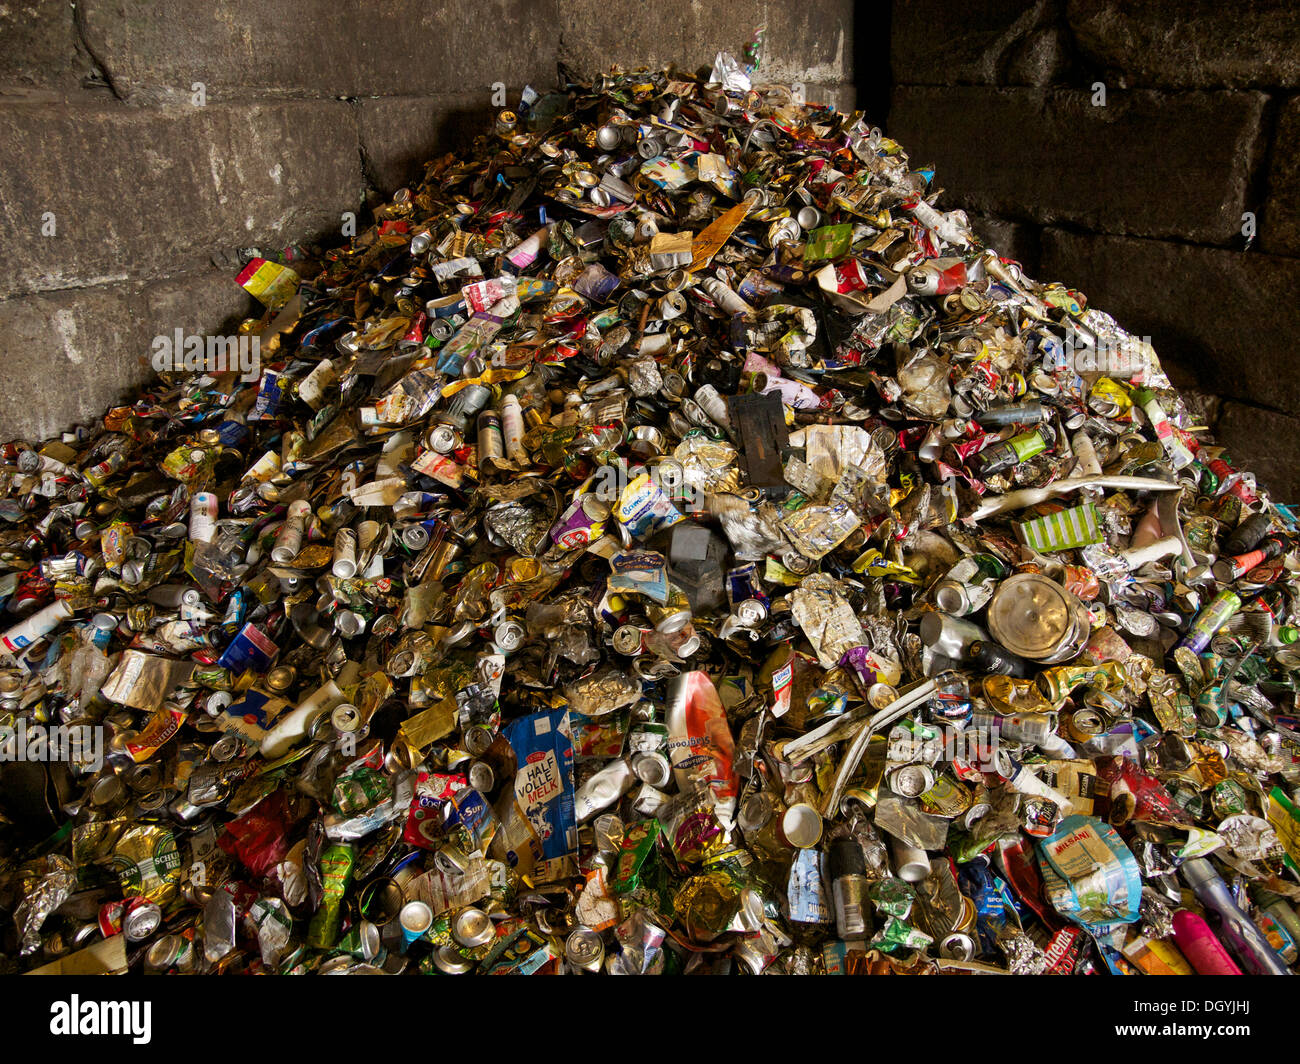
1190,44
400,133
1011,240
38,48
811,43
1279,223
1129,167
68,357
1224,315
156,49
148,192
1265,442
208,302
983,42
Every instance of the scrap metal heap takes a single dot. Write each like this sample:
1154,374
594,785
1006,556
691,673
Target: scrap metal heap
666,540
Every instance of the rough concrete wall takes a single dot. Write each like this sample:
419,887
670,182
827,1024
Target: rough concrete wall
126,205
1138,202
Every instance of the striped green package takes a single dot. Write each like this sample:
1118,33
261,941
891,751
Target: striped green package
1064,530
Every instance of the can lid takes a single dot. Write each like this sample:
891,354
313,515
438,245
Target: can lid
802,826
280,678
416,917
651,767
142,921
950,596
509,635
164,952
628,639
472,927
674,621
477,739
755,812
911,781
107,791
450,962
381,900
957,946
153,800
225,748
1031,615
370,941
443,439
751,612
584,948
596,508
349,624
481,777
346,718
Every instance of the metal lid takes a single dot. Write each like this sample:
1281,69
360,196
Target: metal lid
651,767
451,962
584,949
226,748
382,900
164,952
1031,615
472,927
950,596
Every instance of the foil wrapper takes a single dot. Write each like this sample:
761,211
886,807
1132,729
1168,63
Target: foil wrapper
45,885
1023,957
827,619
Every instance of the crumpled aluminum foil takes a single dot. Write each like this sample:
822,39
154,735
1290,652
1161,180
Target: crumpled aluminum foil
45,885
